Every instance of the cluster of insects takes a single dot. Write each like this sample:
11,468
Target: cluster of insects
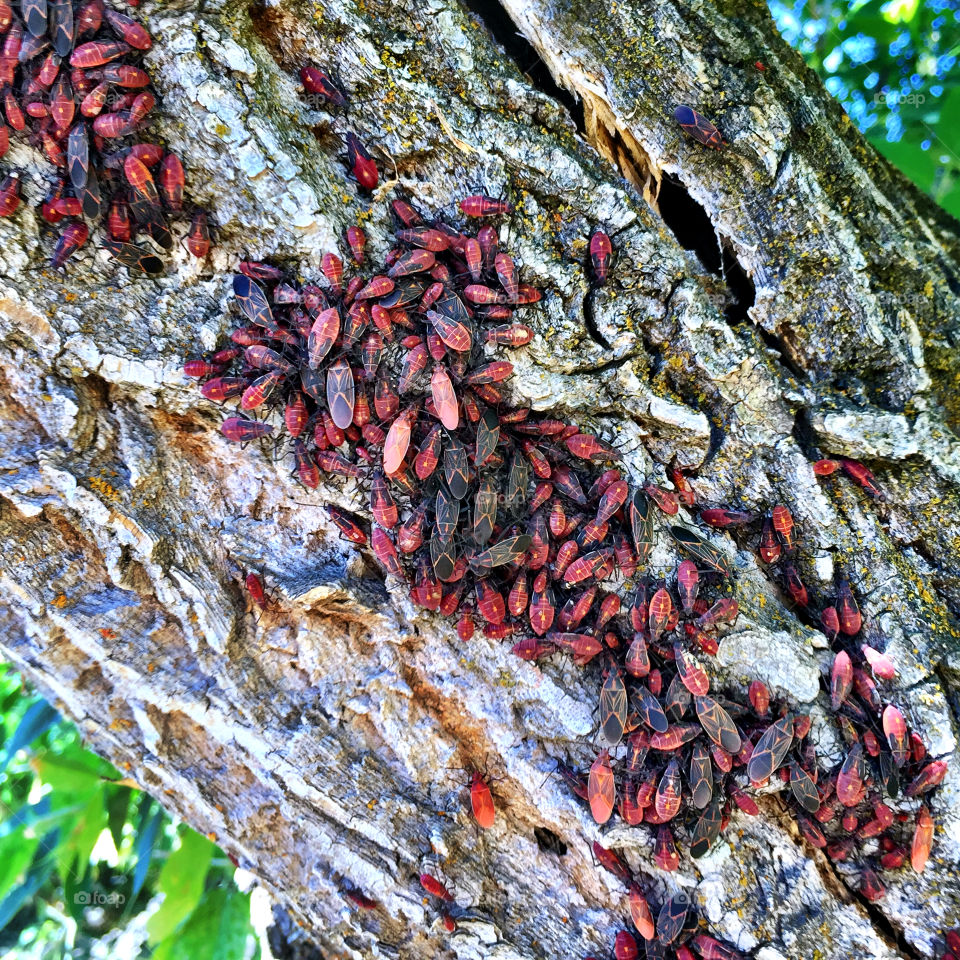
524,525
846,813
71,85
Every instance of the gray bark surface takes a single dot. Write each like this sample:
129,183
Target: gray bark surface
323,742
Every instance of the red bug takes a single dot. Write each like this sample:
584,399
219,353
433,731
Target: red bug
434,887
9,195
97,53
444,399
687,580
600,250
306,467
240,430
880,663
928,778
795,585
360,900
771,750
481,800
323,335
782,521
507,275
895,730
698,127
362,165
640,913
725,610
850,778
357,241
823,468
222,389
759,698
922,840
830,622
625,947
385,551
490,603
511,335
531,649
841,679
254,587
479,205
769,545
667,858
601,788
197,240
171,179
347,524
319,84
465,626
668,795
848,611
73,237
860,475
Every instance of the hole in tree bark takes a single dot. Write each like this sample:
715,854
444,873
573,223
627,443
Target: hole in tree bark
549,842
692,227
521,52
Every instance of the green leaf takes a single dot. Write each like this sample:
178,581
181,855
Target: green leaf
74,770
39,718
38,817
143,849
181,881
217,930
118,803
86,831
16,854
43,866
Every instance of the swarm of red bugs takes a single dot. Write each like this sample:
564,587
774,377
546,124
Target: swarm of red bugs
71,85
853,813
524,525
675,929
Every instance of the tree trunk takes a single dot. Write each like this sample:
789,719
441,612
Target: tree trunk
787,298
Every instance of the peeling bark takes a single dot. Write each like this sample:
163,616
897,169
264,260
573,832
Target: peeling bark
789,297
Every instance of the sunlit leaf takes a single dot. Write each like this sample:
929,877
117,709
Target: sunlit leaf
181,881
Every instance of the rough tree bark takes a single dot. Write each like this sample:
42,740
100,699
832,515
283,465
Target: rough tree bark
815,309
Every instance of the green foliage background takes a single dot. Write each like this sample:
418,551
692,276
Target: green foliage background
84,859
83,856
893,66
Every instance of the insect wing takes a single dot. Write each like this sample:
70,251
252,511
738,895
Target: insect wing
323,334
651,712
601,789
701,776
672,917
488,436
252,301
804,789
456,468
641,525
706,829
771,749
718,724
613,706
700,550
341,393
